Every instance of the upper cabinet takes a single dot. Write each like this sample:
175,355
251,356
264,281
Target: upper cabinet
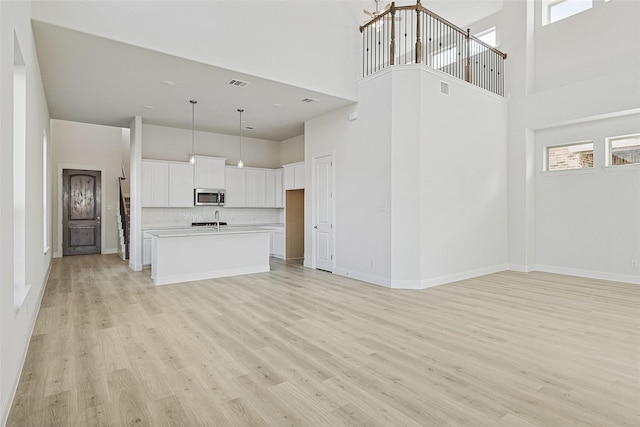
166,184
180,185
279,188
294,176
253,188
209,172
236,190
155,183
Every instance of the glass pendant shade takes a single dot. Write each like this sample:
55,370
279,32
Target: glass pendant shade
240,162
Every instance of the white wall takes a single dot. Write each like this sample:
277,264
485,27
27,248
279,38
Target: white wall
166,143
304,36
562,60
126,160
362,182
409,138
16,323
420,181
555,78
292,150
464,181
588,221
94,147
135,188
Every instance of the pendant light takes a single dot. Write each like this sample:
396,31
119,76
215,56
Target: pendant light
240,162
192,157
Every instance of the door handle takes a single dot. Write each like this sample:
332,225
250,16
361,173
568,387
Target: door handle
315,226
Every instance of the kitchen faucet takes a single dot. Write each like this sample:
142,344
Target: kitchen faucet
216,218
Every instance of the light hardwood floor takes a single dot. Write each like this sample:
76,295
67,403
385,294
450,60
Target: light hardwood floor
306,348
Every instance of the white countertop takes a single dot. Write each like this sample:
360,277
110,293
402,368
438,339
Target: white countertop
147,227
205,231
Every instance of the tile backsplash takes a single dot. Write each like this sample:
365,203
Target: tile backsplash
168,217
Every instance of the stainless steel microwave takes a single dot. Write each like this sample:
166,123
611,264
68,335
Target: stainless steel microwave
208,197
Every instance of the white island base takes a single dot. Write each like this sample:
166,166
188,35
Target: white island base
188,255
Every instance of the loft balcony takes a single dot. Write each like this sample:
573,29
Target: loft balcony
408,35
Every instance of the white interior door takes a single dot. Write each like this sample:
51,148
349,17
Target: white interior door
323,215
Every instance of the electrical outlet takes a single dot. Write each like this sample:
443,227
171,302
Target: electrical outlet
634,263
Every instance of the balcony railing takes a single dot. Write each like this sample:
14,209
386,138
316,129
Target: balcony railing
403,35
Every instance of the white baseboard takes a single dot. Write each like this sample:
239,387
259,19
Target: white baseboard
521,268
463,275
375,280
436,281
420,284
591,274
110,251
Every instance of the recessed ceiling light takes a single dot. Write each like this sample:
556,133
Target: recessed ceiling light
277,105
168,83
149,107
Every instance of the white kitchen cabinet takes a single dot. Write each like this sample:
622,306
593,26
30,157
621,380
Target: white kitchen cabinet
210,172
256,188
180,185
270,188
279,188
155,183
166,184
294,176
236,190
147,254
277,243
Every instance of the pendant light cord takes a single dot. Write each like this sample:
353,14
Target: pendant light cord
193,113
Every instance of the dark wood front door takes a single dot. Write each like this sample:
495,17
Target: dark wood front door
81,212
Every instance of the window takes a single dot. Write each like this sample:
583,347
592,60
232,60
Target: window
20,287
557,10
623,150
570,156
488,36
45,192
445,57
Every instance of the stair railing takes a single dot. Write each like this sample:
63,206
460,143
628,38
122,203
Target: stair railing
123,217
403,35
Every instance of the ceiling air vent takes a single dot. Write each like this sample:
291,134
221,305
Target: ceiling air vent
309,100
444,88
237,83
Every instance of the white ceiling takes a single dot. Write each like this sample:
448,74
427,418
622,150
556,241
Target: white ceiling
95,80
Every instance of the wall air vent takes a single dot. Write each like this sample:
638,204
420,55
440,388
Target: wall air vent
444,88
237,83
309,100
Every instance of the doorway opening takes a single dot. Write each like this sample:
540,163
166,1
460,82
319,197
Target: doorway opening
294,212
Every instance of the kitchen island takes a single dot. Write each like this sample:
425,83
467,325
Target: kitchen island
184,255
